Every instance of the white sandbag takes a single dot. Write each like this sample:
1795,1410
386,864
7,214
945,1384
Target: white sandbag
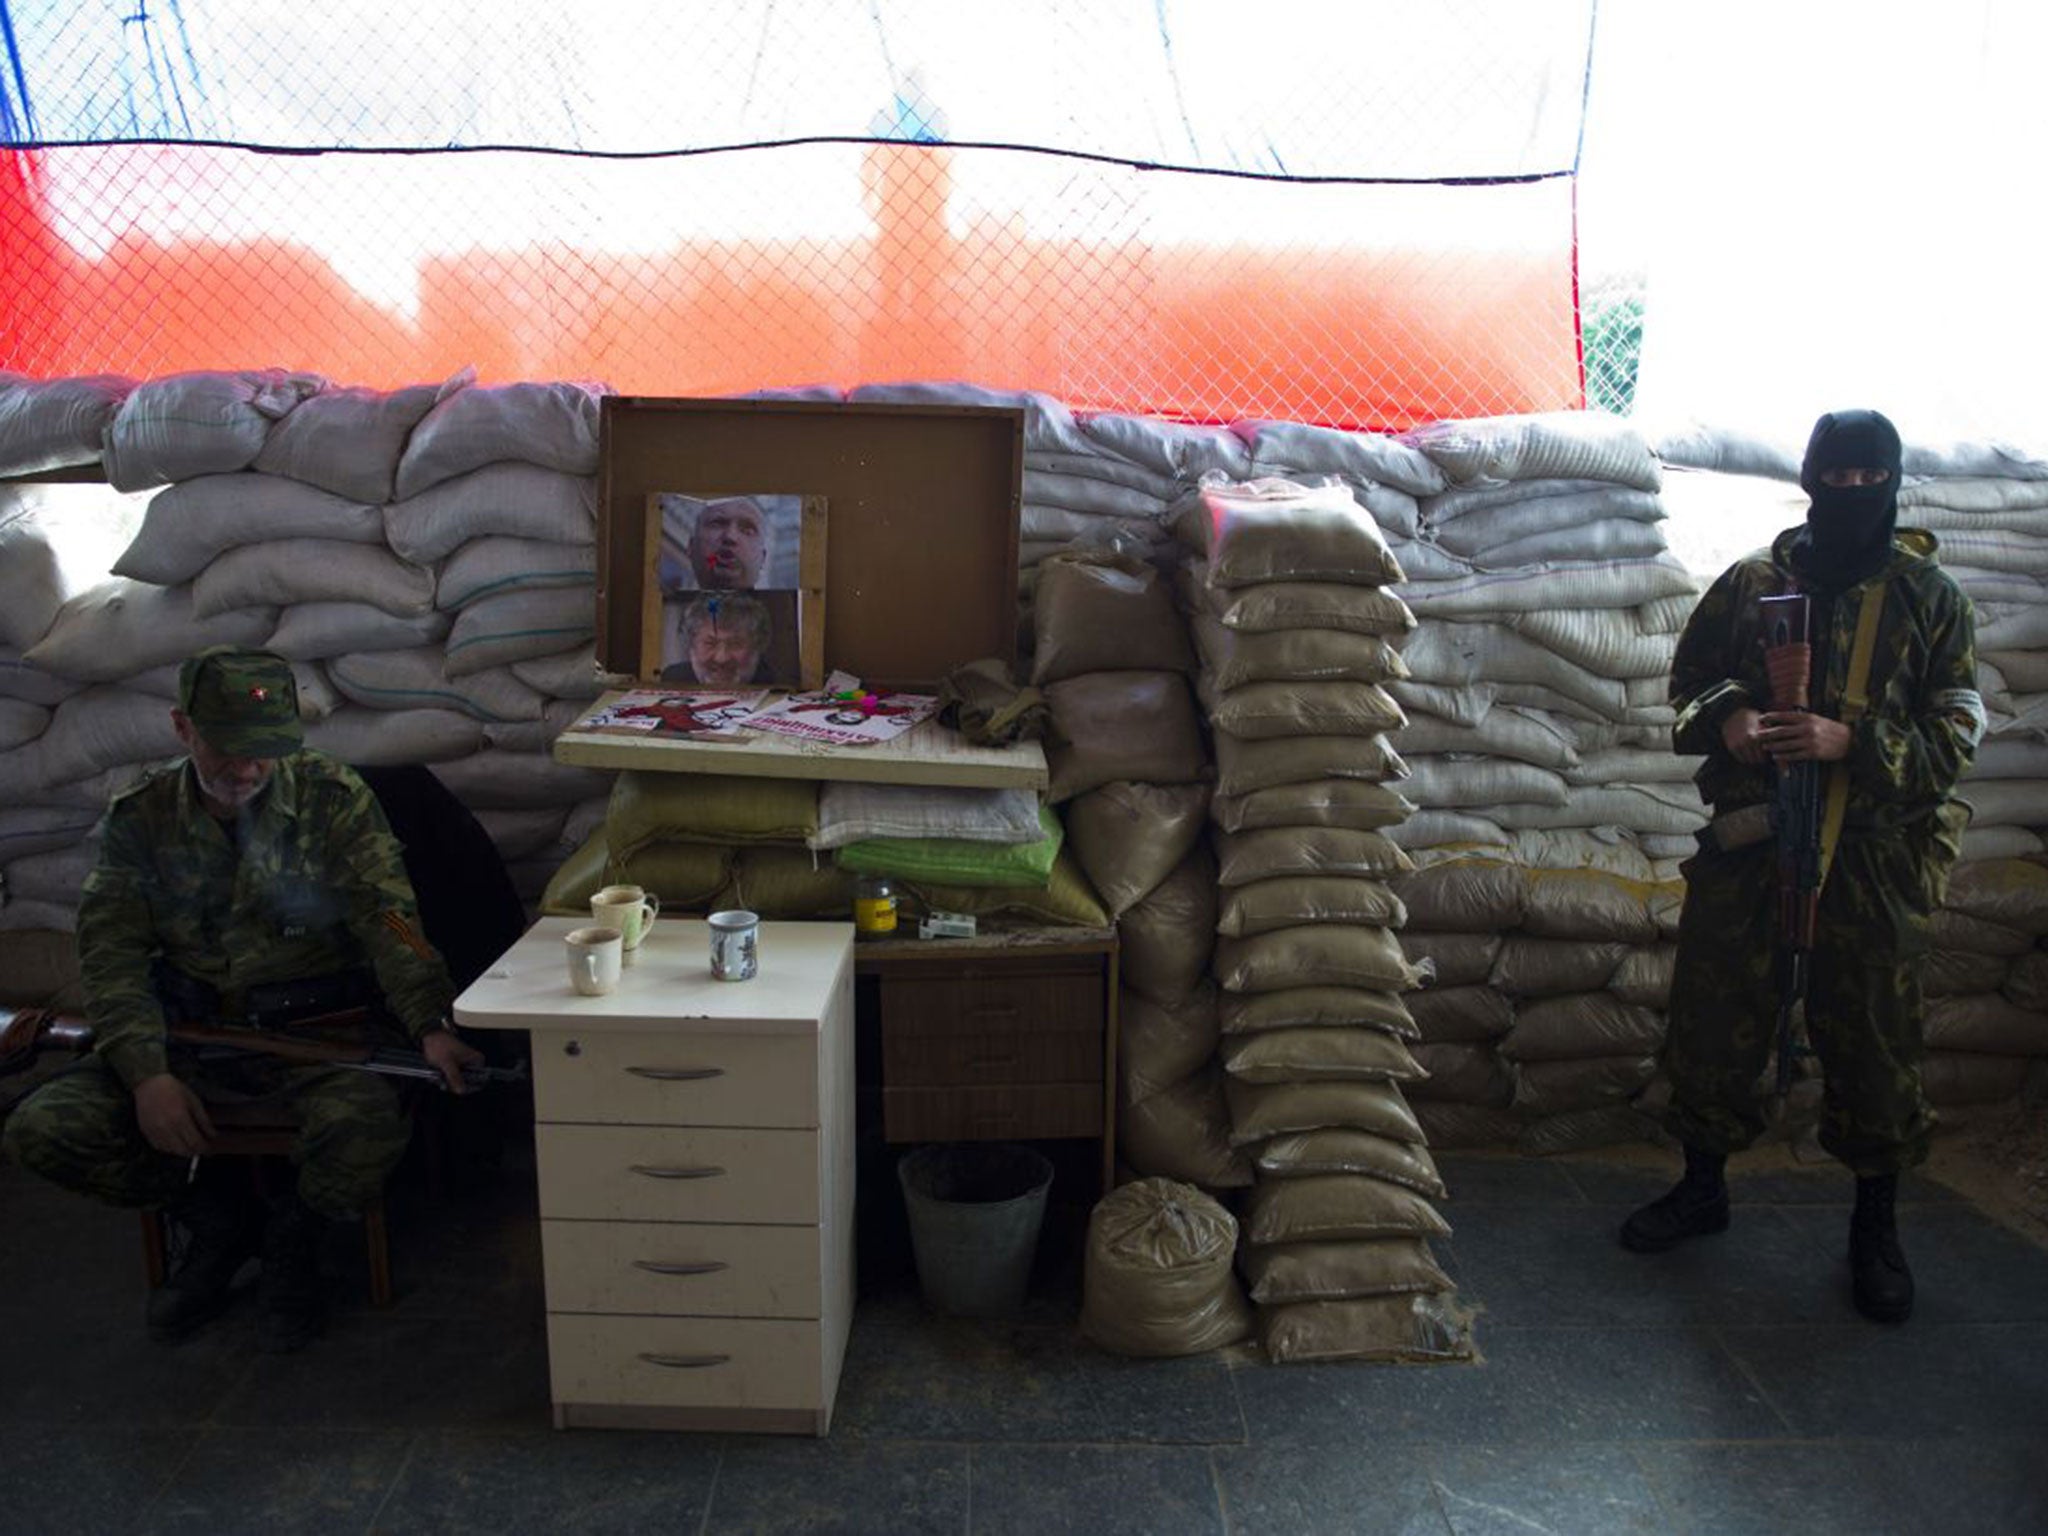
32,916
1107,469
1633,765
53,877
1694,445
191,523
1615,584
1615,538
2007,802
21,721
123,626
1431,829
551,425
519,781
1607,642
1425,560
2023,671
1556,445
1666,615
30,683
347,441
1989,460
1463,704
515,500
1608,850
1450,783
1639,808
1184,451
566,674
1085,493
33,829
190,424
386,737
488,566
534,735
52,546
1456,654
1293,445
1995,550
103,728
412,679
1485,533
851,812
54,423
1528,735
288,571
1041,524
1972,498
2000,843
319,631
1488,495
514,626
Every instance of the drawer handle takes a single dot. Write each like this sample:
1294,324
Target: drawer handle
677,1074
656,1267
683,1362
653,1172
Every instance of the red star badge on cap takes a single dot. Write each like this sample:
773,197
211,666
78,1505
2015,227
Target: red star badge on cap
259,693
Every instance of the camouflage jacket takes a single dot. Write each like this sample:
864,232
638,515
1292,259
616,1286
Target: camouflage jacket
318,886
1925,715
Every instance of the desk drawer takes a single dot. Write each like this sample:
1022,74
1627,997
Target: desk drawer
993,1003
681,1268
1028,1111
686,1361
648,1078
963,1060
677,1173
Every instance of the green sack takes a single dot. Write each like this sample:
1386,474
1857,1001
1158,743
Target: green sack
959,861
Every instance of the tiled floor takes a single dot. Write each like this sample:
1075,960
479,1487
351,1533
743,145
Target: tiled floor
1727,1387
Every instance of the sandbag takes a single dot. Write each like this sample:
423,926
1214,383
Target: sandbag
1583,1024
32,829
1160,1044
1263,711
1334,1207
959,861
848,812
1314,1055
1315,1008
1958,973
1262,1110
1461,1127
710,808
494,564
1277,852
1232,658
513,500
1587,904
511,780
377,738
1582,1130
515,626
20,722
1528,967
1128,837
2026,983
777,882
1296,605
36,967
685,876
1165,940
1555,1087
1464,896
2012,892
1341,1149
1413,1326
1156,1280
285,571
1095,614
1644,976
1313,956
578,878
55,423
565,674
185,425
1954,1078
1444,784
101,728
1543,445
1365,456
1114,726
346,441
412,679
551,425
1508,731
1286,1272
1290,901
1457,959
1278,530
1183,1132
1067,900
189,524
1352,803
1463,1073
1245,767
121,627
1454,1015
1987,1023
320,631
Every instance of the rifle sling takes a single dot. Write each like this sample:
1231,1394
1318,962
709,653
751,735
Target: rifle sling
1855,701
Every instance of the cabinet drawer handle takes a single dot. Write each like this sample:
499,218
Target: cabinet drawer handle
677,1074
683,1362
657,1267
649,1170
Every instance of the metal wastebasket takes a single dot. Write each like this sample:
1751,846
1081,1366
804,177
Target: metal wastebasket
975,1213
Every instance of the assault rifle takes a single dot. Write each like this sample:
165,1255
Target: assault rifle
336,1039
1795,815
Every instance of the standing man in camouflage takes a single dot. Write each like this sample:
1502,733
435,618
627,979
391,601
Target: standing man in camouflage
1900,835
249,871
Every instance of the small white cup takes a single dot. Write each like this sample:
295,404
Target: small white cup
735,946
595,955
628,908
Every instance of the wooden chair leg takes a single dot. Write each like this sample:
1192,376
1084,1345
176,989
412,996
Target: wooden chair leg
154,1267
377,1240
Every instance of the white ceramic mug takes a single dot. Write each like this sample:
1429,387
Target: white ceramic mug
735,946
627,908
595,955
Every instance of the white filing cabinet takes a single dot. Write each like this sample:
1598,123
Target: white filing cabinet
695,1148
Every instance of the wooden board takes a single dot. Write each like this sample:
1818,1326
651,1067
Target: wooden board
928,754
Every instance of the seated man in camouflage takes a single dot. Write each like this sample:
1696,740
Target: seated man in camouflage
251,880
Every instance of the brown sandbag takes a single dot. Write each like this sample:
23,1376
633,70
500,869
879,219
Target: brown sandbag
1232,658
1279,1273
1958,973
2012,892
1068,900
1555,1087
1264,711
1282,605
1183,1132
1454,1015
1415,1326
707,808
1463,1074
1311,1055
1355,803
1460,959
1582,1130
1112,726
1098,613
1582,1024
1244,767
576,879
1987,1024
1274,853
1587,904
1958,1077
1159,1044
1157,1280
1343,1149
1463,1127
1259,1111
1165,941
1288,902
687,877
1313,956
1529,967
1958,930
1332,1207
788,883
1644,975
1315,1008
1465,896
2026,983
1273,529
1128,837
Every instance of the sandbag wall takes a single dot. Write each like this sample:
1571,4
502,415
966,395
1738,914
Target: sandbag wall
425,558
1987,506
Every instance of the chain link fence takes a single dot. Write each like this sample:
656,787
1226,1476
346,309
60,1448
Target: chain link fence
814,193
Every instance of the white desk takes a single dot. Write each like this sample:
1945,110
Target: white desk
695,1149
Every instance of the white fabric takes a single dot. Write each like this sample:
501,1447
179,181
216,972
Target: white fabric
316,631
190,523
190,424
287,571
124,626
851,813
551,425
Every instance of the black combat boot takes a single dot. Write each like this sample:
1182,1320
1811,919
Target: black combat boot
1884,1286
293,1297
221,1227
1696,1206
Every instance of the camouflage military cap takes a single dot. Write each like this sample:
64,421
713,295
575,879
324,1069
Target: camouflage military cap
243,703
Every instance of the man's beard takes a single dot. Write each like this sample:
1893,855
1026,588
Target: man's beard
234,794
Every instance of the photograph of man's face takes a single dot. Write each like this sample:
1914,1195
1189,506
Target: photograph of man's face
741,543
721,639
729,545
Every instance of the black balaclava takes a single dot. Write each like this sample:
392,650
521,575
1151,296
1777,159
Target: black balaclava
1848,532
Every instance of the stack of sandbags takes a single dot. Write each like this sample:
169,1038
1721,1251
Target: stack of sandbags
1987,984
1315,1034
1129,773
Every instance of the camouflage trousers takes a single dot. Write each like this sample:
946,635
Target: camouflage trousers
79,1130
1863,1000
